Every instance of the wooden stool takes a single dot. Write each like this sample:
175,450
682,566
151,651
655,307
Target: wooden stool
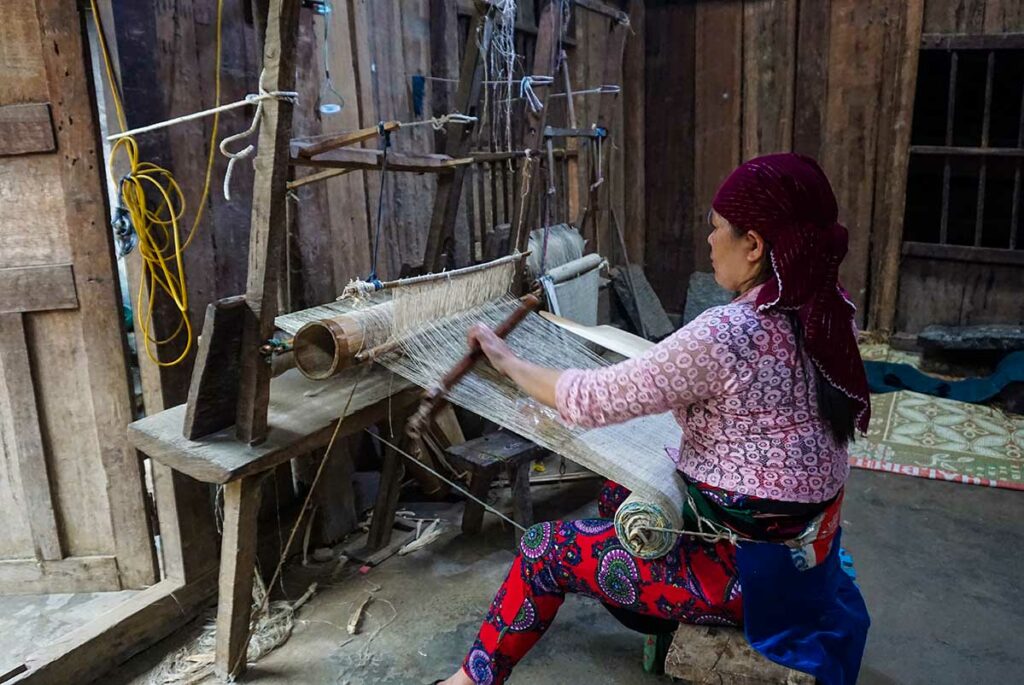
484,458
722,656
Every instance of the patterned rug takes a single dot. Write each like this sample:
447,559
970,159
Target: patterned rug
930,437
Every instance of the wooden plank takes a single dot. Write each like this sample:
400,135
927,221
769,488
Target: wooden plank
74,574
891,181
335,498
324,216
213,393
858,36
268,219
610,116
460,141
633,136
29,465
811,77
316,177
964,253
359,158
35,288
25,129
86,653
237,569
717,119
954,16
316,145
97,287
769,69
706,655
964,41
957,151
672,247
188,531
391,475
544,58
1004,16
298,425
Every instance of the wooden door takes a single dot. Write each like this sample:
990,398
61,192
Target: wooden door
72,500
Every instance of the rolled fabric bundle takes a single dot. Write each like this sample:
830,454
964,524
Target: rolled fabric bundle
633,523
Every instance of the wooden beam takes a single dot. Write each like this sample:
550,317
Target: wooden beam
317,177
362,158
266,232
311,147
544,58
32,478
467,99
25,129
83,654
213,392
965,41
74,574
634,131
956,151
237,568
963,253
103,342
891,182
37,288
298,426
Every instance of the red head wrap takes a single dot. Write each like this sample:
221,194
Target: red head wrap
788,200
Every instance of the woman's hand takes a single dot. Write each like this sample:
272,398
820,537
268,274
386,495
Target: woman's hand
497,351
536,381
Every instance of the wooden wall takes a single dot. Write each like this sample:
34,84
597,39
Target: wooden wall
728,80
72,501
373,48
963,286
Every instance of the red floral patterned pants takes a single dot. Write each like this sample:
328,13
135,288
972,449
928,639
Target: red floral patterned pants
696,583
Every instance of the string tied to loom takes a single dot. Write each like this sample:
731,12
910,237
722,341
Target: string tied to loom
258,99
526,92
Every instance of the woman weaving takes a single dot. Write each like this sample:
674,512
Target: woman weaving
768,390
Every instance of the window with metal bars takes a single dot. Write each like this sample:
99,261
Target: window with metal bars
965,178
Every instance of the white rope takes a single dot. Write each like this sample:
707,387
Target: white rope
258,99
290,96
438,123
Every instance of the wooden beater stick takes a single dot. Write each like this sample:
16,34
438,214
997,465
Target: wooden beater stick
433,397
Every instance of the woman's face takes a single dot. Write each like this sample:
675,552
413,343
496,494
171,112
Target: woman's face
735,258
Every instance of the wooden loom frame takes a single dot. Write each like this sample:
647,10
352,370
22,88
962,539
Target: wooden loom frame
231,380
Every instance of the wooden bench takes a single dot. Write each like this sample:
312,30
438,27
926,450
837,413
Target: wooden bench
485,458
301,418
709,655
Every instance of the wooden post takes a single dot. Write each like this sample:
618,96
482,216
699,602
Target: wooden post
460,138
548,30
891,181
387,500
268,220
237,566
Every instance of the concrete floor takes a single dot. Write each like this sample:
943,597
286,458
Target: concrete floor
939,564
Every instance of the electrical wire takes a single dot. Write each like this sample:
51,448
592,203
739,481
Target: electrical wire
156,206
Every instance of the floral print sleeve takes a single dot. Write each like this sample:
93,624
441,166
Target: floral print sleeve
693,364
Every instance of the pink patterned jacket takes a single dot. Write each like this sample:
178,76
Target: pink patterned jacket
744,395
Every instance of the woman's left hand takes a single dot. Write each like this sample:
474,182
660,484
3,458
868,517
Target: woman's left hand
494,348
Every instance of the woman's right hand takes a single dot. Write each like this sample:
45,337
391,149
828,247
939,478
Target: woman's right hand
497,351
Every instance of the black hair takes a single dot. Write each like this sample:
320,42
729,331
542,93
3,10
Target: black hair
834,407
